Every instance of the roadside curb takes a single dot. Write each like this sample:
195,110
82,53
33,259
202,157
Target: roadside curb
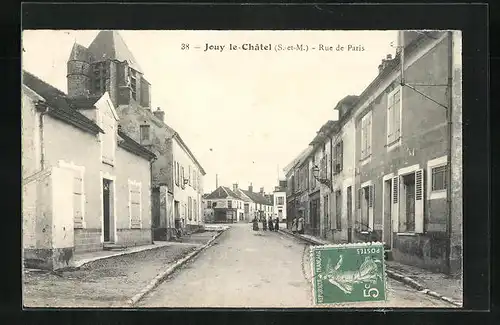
160,277
391,273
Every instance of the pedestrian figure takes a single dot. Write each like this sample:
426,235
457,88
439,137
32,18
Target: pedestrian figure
264,224
300,225
277,225
255,224
294,225
270,223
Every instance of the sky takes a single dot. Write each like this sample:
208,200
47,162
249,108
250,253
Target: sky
244,114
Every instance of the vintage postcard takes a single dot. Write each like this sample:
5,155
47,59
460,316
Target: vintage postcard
181,168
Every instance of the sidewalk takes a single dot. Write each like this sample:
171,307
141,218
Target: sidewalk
106,282
438,285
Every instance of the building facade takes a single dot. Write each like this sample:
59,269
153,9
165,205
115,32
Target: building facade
107,65
393,185
85,182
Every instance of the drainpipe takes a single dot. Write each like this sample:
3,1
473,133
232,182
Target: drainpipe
450,146
151,195
43,108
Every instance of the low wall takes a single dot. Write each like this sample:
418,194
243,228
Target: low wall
87,240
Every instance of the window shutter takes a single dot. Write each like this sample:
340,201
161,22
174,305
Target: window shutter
369,135
333,222
135,206
371,198
419,201
341,156
395,204
78,200
334,155
397,115
358,206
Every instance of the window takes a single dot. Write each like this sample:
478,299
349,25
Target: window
176,173
408,204
366,131
338,157
209,204
394,116
365,202
133,83
78,193
280,200
190,208
183,185
439,178
135,204
195,210
144,130
100,74
189,175
230,204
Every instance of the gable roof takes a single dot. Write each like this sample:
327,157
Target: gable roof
257,198
298,160
134,147
57,104
108,44
190,154
218,193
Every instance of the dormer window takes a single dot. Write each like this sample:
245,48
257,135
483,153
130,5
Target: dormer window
145,133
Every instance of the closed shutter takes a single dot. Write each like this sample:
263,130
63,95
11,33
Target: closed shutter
363,138
371,198
78,199
108,145
369,135
395,204
135,206
358,208
419,201
397,115
334,162
341,155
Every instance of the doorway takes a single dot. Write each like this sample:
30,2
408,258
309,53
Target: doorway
387,231
107,211
349,214
407,222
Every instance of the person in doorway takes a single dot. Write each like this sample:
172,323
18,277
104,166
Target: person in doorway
294,225
300,225
270,224
277,224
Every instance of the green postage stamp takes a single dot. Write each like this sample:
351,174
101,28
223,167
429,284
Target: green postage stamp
348,273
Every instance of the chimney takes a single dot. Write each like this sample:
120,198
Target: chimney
159,114
235,187
250,188
261,191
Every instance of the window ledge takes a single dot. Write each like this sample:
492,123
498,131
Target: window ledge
406,234
394,144
441,194
366,159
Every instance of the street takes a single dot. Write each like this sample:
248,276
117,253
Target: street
245,268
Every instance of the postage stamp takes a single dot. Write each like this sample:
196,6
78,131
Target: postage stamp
348,273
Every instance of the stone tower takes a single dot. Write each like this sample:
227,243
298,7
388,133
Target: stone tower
107,65
78,68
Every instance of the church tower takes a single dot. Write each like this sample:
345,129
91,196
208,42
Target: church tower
107,65
78,71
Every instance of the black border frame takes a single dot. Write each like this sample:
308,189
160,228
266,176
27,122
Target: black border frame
472,19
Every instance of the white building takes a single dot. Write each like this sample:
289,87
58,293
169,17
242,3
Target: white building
188,185
279,204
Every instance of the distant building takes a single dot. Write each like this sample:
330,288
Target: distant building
279,203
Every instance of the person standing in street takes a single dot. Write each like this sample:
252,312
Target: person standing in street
300,225
270,224
294,225
264,223
255,224
277,224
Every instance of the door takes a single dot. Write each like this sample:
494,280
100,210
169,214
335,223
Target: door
387,213
326,220
349,214
106,191
410,202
